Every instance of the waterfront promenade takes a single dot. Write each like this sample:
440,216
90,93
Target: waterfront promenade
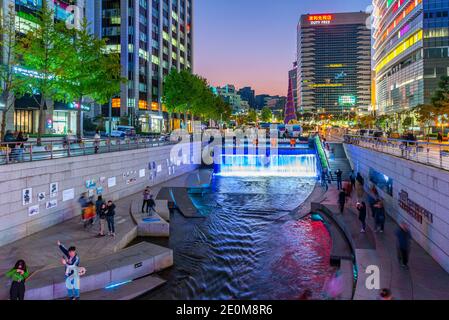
41,253
424,280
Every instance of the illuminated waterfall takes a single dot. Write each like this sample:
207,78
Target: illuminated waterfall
275,165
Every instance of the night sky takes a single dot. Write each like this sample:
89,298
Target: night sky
253,42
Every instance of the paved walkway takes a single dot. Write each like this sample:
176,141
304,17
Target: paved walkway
40,250
425,279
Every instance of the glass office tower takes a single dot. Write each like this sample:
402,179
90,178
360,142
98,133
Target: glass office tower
411,41
152,36
334,63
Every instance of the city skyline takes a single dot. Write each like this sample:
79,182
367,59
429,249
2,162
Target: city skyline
248,62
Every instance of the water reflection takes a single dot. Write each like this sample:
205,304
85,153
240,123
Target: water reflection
248,246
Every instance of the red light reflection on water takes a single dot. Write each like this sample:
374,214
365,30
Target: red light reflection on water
303,260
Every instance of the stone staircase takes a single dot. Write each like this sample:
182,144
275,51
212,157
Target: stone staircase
338,160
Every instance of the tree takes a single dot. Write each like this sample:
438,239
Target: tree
267,115
252,116
8,76
44,53
86,70
426,115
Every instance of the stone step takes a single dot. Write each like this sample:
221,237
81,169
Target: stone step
125,290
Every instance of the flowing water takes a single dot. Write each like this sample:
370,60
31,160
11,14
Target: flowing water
249,245
275,165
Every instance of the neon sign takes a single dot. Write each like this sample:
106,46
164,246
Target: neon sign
320,19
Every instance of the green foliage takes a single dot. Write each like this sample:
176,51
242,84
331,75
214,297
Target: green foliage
44,53
188,93
252,116
266,115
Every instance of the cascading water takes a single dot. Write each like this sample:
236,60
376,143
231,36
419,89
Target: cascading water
304,165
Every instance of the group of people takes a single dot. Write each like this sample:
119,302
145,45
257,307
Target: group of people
101,211
15,142
376,204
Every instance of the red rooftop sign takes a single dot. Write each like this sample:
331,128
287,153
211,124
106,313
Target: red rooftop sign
320,18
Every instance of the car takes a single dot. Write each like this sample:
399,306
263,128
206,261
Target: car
123,132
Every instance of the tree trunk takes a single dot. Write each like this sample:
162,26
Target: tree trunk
3,129
169,122
42,120
79,133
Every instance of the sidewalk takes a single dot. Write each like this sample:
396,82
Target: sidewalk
425,279
40,251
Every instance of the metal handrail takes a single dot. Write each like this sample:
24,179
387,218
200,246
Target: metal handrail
14,152
424,152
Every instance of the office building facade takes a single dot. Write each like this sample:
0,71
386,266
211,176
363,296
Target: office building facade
61,117
411,42
334,63
248,95
152,37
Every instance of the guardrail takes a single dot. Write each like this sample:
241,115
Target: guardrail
428,153
15,152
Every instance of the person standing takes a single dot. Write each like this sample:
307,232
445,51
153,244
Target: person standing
20,146
102,215
404,239
18,275
146,200
352,178
70,260
342,201
98,204
110,216
151,206
339,175
379,216
361,207
97,141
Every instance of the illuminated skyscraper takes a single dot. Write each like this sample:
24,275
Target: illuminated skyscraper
334,63
411,41
152,37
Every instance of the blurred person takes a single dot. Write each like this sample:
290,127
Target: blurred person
361,207
379,216
334,286
97,141
403,236
146,200
339,175
110,217
342,201
385,294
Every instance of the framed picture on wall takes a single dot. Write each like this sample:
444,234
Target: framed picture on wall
27,196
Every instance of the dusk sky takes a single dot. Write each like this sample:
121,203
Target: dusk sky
253,42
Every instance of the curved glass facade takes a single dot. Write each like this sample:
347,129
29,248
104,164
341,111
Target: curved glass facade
411,51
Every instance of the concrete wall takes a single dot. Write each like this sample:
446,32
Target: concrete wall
427,186
72,173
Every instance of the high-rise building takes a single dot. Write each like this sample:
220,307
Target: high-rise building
61,117
411,42
334,63
232,97
152,37
261,100
248,95
293,84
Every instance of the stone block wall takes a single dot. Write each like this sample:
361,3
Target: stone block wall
127,167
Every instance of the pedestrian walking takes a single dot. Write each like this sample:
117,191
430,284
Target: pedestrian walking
71,261
146,200
110,216
379,216
18,275
404,240
352,178
361,207
339,175
342,201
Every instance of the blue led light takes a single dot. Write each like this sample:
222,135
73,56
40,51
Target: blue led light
113,286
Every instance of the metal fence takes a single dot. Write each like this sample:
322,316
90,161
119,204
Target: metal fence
428,153
15,152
